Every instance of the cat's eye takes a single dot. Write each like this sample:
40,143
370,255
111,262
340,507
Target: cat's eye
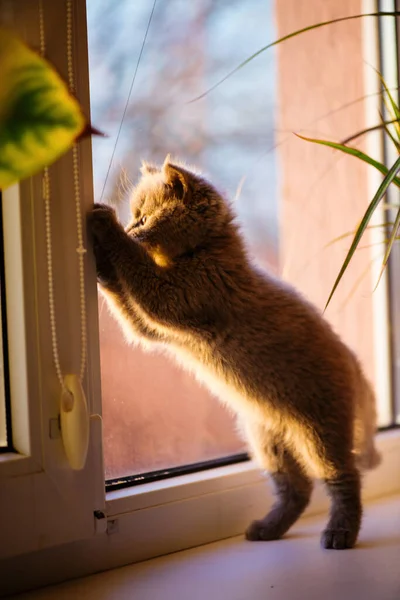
143,220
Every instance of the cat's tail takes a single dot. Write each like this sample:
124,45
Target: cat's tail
369,459
367,456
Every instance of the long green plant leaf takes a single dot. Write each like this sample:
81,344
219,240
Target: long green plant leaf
356,284
396,144
288,37
353,152
343,236
364,223
389,246
382,125
389,206
392,107
39,118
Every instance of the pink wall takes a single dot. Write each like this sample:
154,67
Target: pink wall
323,192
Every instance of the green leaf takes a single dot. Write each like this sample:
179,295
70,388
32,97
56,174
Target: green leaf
389,245
343,236
39,118
353,152
393,108
364,223
396,144
393,13
389,133
356,284
382,125
389,206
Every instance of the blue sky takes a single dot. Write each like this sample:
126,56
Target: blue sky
191,45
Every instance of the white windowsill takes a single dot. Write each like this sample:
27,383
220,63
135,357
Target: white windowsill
9,456
13,464
181,487
294,568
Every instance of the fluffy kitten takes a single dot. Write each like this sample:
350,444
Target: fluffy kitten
178,276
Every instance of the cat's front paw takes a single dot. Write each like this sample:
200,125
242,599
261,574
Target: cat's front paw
102,220
103,225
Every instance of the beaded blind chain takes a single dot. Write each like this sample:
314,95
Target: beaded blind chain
79,225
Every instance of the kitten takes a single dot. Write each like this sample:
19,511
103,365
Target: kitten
179,277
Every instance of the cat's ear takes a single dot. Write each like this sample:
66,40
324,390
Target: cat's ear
147,168
176,178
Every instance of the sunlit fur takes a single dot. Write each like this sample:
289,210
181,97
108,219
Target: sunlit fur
178,278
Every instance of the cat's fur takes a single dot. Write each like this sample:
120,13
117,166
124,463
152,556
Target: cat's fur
183,281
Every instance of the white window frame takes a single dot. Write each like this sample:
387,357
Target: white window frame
384,61
44,502
139,522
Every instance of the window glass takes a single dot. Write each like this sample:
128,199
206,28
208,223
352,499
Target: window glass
3,419
155,415
4,441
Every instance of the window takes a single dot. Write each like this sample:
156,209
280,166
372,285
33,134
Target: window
43,502
5,421
292,198
393,70
155,415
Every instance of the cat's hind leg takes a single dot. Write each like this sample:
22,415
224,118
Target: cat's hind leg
346,510
292,486
331,457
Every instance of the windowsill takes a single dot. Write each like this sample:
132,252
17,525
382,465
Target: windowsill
182,487
294,568
14,464
7,456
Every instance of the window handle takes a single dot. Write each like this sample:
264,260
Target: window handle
74,418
